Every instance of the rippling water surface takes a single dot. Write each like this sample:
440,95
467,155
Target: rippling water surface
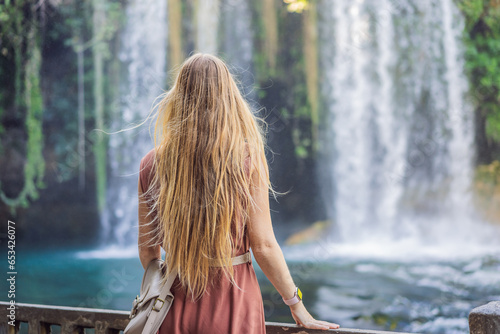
419,293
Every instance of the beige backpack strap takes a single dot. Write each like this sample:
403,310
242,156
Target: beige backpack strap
244,258
240,259
161,306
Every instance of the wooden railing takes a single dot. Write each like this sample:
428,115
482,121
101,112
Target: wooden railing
44,319
41,319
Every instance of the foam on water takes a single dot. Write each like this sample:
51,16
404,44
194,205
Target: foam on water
110,252
403,250
441,324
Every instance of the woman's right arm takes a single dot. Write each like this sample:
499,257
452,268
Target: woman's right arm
270,258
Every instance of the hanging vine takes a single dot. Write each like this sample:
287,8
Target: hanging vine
105,23
17,30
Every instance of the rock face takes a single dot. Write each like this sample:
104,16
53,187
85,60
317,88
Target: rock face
485,319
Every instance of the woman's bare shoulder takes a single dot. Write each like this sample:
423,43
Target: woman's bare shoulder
147,163
148,157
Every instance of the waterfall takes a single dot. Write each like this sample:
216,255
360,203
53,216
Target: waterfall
237,43
207,19
143,55
398,137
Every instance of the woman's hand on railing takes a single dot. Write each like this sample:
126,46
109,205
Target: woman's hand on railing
304,319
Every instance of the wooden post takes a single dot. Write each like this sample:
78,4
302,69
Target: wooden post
44,328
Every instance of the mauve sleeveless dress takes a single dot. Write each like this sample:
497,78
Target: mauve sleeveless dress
224,308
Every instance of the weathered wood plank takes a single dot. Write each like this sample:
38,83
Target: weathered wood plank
280,328
71,319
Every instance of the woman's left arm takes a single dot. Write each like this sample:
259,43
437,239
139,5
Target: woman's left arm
146,253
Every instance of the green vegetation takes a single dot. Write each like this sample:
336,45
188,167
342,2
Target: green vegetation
385,321
487,191
296,6
482,38
32,34
288,76
20,34
107,18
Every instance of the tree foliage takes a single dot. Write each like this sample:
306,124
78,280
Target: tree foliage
20,35
482,38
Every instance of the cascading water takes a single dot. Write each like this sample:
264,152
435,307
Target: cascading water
406,250
237,43
143,55
207,21
399,137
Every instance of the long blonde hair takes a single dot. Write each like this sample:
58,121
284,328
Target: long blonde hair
200,194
